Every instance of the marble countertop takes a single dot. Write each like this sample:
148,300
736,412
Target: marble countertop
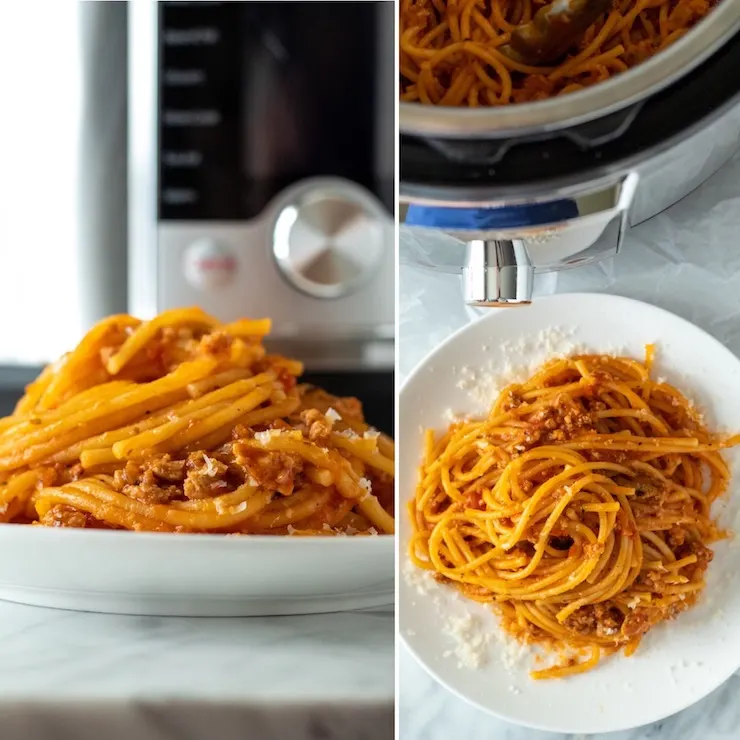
682,260
319,677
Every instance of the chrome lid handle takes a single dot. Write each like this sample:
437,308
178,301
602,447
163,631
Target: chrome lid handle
497,273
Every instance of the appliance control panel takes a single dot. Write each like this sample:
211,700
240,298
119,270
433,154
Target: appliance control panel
273,169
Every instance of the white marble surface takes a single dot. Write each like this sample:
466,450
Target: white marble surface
685,260
78,675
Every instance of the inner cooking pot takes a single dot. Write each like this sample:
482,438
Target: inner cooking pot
597,101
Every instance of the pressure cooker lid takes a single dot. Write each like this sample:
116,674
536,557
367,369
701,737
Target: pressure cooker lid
441,167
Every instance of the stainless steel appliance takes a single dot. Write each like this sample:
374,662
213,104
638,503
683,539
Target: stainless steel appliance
503,194
256,143
261,169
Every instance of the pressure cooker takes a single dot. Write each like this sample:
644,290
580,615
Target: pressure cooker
502,194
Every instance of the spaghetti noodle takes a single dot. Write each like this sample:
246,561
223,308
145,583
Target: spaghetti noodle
579,508
186,424
450,50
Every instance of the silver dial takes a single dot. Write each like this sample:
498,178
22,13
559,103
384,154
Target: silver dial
328,240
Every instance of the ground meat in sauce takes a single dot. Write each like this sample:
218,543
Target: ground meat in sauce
647,488
650,505
349,408
141,484
473,500
216,343
604,620
625,526
318,426
613,456
527,485
61,474
201,475
534,633
637,622
651,579
169,470
287,380
675,537
703,554
273,470
557,423
61,515
162,480
512,400
593,549
205,477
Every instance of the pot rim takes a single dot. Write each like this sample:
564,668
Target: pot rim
597,101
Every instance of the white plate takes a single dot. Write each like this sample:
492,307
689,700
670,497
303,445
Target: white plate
677,664
193,575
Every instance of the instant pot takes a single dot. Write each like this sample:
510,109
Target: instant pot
261,181
261,177
236,156
501,194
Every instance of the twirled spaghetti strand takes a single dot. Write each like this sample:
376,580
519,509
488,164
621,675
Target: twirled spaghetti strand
579,508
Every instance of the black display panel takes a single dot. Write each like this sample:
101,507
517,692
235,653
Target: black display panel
375,389
255,96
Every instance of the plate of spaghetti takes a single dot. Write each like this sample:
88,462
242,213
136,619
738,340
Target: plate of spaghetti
568,544
174,466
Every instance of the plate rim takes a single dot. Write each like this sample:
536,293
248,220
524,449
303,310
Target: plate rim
402,515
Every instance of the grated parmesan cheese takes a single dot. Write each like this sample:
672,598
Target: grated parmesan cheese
332,415
264,437
471,642
222,508
474,634
349,434
419,579
366,484
371,434
484,384
210,467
